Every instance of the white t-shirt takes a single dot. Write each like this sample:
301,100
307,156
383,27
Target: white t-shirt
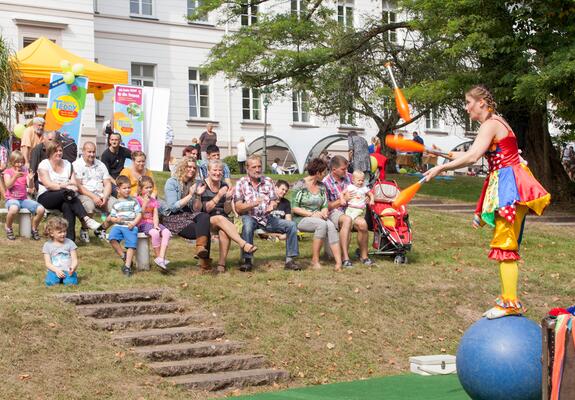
91,176
358,196
61,178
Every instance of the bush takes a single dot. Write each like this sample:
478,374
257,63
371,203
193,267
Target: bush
232,163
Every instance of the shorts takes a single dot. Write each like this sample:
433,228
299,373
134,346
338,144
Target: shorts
146,226
334,217
52,279
90,206
130,236
354,212
27,204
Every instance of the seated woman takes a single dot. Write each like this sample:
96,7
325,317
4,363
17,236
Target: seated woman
135,171
217,202
309,207
182,211
58,189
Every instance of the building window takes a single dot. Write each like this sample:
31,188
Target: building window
199,94
300,102
298,7
193,5
389,17
345,14
347,118
432,120
249,15
251,104
143,74
141,8
95,6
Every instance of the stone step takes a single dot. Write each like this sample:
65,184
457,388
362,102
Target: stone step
111,297
149,321
206,365
169,335
179,351
223,380
111,310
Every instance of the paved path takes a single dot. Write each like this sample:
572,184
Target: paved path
553,218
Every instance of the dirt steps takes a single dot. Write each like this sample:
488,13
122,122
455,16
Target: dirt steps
186,347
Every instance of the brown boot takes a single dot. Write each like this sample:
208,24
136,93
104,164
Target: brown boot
202,247
205,265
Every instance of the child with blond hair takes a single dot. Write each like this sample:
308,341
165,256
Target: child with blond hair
150,223
18,181
360,196
60,254
125,215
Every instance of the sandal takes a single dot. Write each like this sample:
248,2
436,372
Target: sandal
220,269
251,249
10,234
35,234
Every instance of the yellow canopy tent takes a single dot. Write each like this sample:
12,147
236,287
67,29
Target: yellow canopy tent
37,60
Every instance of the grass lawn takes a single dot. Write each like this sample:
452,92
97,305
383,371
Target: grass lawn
322,326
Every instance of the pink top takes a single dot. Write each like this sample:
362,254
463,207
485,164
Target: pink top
148,212
18,190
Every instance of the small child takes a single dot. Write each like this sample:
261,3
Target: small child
60,254
125,215
150,223
18,181
360,195
281,211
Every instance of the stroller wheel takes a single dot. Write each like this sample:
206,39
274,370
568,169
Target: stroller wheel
400,259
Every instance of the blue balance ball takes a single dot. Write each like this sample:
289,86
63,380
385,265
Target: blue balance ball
500,359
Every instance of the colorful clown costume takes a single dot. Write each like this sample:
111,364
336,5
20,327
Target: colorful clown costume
509,192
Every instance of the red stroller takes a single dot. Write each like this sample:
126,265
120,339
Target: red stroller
391,228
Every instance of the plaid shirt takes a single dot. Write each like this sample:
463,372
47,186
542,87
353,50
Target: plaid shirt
247,193
335,188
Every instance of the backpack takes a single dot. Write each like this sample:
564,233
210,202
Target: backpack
70,149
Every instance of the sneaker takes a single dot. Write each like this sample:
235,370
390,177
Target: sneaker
368,262
35,235
161,264
127,271
92,224
347,264
292,266
100,233
247,266
84,236
166,262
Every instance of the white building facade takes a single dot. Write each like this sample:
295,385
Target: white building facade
158,46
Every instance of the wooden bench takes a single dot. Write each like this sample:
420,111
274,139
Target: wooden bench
24,222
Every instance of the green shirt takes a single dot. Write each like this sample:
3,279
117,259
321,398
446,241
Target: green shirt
307,200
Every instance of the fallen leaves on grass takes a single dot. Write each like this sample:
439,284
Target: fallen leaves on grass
24,377
330,346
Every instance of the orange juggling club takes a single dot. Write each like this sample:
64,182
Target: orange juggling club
400,101
407,194
401,144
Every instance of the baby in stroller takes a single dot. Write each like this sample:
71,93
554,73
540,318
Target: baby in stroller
392,231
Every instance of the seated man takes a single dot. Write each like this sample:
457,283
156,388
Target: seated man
255,198
95,185
336,183
213,153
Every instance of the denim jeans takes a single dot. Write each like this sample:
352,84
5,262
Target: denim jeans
274,225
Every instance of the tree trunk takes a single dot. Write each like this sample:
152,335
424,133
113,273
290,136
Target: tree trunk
531,128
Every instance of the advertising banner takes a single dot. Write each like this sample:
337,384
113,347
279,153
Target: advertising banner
129,116
65,105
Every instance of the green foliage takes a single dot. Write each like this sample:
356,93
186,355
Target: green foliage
8,77
232,162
